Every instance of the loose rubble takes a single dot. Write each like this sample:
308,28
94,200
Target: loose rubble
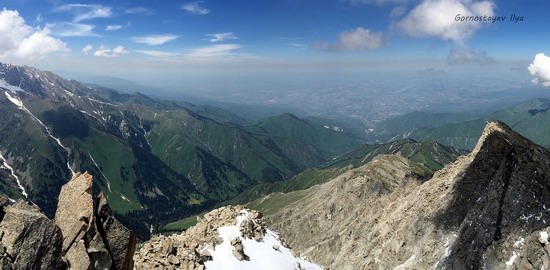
203,245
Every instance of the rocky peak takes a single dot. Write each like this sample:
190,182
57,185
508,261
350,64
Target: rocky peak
497,133
501,193
487,210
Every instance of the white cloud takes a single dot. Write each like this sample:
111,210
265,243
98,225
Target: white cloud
437,18
353,40
358,39
465,55
84,12
216,50
195,8
65,29
540,70
218,37
154,39
397,12
113,27
139,10
22,41
39,44
157,53
298,46
87,49
106,52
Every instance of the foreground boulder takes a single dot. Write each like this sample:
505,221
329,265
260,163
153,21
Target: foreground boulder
29,239
85,234
92,237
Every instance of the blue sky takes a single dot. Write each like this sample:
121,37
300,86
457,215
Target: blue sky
143,40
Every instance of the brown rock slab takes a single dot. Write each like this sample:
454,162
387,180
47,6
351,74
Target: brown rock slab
78,257
74,208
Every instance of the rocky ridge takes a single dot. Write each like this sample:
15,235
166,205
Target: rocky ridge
487,210
224,238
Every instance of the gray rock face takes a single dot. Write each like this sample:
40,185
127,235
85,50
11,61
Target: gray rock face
486,210
29,239
121,241
92,237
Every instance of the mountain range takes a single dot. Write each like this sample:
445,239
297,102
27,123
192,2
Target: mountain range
413,202
154,160
461,130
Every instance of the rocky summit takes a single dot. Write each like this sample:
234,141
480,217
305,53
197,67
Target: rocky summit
230,237
487,210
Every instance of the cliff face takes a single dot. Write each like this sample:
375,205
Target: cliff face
488,209
84,234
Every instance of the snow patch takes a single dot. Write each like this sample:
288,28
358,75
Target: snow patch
14,100
12,171
100,102
407,264
10,87
123,197
448,248
510,262
262,255
515,254
144,132
519,242
543,237
69,93
108,181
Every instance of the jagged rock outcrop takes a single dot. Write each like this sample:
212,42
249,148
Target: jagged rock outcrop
120,240
85,235
220,240
29,240
487,210
75,208
92,237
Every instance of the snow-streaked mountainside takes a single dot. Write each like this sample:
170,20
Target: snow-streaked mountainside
156,161
227,238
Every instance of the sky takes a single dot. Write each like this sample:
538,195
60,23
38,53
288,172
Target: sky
164,42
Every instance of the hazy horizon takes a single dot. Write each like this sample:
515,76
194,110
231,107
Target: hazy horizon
342,56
